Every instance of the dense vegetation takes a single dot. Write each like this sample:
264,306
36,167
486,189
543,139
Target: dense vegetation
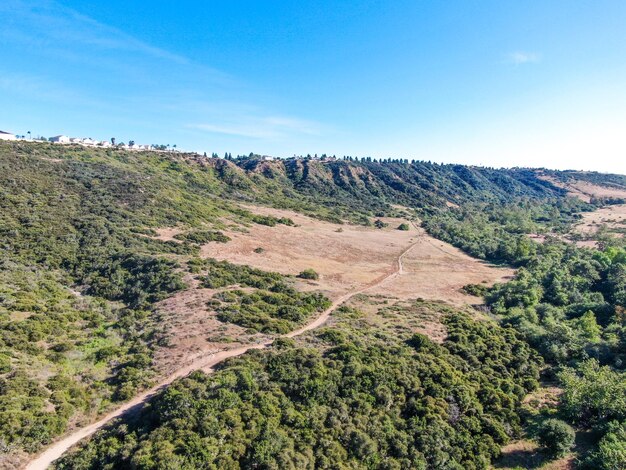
82,267
275,307
81,270
203,236
269,312
567,302
367,401
215,274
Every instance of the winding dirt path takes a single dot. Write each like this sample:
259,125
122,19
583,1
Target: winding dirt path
206,364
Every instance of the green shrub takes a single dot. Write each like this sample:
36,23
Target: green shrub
380,224
271,221
201,237
477,290
556,437
404,227
269,312
346,398
216,274
310,274
593,394
611,453
5,364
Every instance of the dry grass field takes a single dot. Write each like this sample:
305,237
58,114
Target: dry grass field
585,190
347,258
613,217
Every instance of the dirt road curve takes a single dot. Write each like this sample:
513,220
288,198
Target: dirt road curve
206,364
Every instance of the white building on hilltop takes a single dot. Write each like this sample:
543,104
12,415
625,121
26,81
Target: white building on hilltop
60,139
7,136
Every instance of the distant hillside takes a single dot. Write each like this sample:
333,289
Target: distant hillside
56,198
374,185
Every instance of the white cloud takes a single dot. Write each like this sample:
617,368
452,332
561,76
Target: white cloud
50,25
268,127
520,57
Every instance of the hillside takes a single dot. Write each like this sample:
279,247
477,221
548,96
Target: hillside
119,268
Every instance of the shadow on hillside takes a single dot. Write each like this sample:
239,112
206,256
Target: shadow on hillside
521,458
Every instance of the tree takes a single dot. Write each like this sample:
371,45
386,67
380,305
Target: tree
593,393
611,453
556,437
404,227
112,140
589,327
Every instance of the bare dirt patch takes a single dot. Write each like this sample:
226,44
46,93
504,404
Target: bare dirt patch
525,453
191,329
167,234
612,217
537,238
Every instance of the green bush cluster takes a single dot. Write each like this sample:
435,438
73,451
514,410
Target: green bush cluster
216,274
90,351
275,307
136,280
310,274
271,221
270,312
367,401
567,302
201,237
556,437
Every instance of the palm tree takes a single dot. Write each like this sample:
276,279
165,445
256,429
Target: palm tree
28,135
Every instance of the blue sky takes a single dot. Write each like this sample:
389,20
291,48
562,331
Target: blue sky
499,83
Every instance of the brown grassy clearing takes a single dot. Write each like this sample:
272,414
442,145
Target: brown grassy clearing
192,330
356,255
346,260
613,217
167,234
527,454
403,318
584,190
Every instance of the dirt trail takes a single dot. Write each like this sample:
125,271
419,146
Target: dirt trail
206,364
